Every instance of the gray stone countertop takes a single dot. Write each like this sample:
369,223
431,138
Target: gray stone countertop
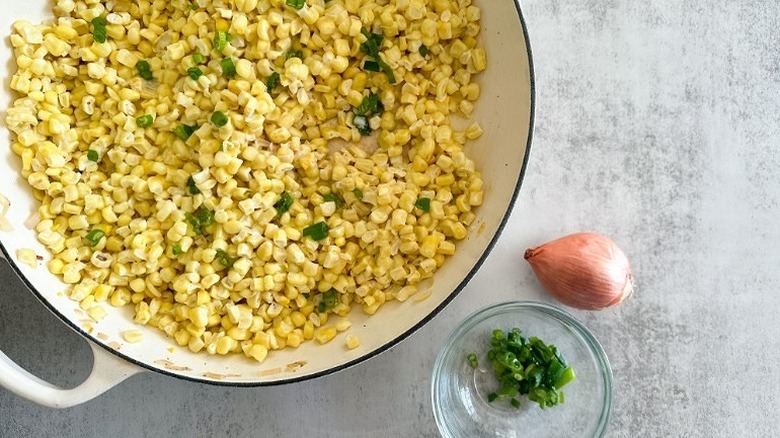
657,124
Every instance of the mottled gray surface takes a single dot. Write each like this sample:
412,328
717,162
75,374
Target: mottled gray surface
657,124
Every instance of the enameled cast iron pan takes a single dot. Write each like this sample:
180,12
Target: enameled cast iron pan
506,112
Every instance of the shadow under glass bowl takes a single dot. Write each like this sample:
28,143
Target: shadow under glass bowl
459,391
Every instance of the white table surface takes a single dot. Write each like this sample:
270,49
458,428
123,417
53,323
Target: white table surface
657,123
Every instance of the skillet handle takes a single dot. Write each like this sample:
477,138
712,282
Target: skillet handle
107,371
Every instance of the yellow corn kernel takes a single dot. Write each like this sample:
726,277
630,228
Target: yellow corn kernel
446,248
325,334
225,344
459,231
138,285
258,352
56,266
28,257
475,198
232,227
294,340
196,344
199,316
96,312
352,341
101,292
478,59
126,58
132,336
182,337
474,131
55,45
298,319
120,297
343,325
310,15
429,246
308,330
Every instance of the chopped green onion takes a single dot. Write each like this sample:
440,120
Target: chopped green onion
358,193
94,236
99,29
283,204
221,39
92,155
195,73
190,129
527,367
184,131
228,68
334,198
424,51
472,358
273,80
194,190
205,216
370,105
144,121
194,223
373,42
329,300
293,54
224,259
371,66
201,218
371,48
297,4
144,70
197,58
317,231
423,204
565,378
388,71
361,123
176,250
219,119
508,390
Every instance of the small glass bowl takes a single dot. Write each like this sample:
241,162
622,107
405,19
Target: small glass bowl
459,391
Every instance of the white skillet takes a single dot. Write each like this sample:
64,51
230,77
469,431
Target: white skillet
506,112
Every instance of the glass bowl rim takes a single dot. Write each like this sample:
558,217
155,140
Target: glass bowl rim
463,327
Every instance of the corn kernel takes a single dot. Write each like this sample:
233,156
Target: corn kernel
132,336
352,341
325,334
258,352
96,312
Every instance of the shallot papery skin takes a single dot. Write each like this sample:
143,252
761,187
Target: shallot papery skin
583,270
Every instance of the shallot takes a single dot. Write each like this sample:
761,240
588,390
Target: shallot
583,270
